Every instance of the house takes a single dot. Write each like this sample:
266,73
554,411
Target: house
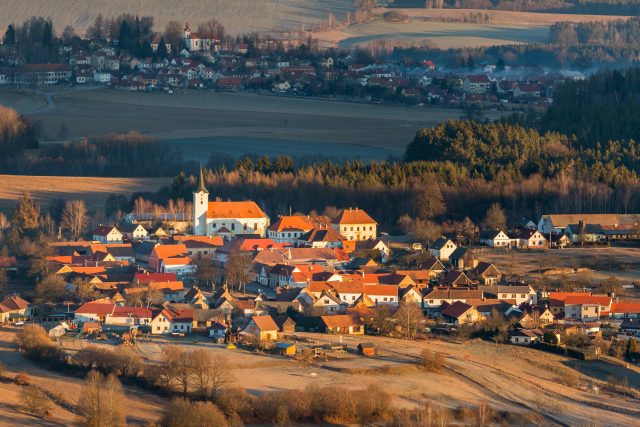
107,234
463,259
531,239
218,330
129,316
382,294
430,270
121,252
285,348
525,336
321,237
442,248
226,218
326,303
630,327
15,309
171,259
285,324
476,84
94,311
168,321
495,239
355,224
433,299
290,228
460,313
341,324
486,273
375,246
261,329
557,223
486,307
587,308
410,294
625,309
519,294
533,317
456,279
133,231
199,247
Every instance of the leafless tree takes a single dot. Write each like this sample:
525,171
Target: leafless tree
409,317
74,217
101,401
211,29
237,269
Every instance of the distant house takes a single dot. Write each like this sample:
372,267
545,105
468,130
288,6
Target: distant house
486,273
169,321
495,238
525,336
14,309
107,234
476,84
531,239
341,324
442,248
261,328
517,293
435,298
460,313
94,311
463,259
133,231
456,279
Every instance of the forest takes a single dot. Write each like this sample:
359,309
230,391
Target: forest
458,169
619,33
596,7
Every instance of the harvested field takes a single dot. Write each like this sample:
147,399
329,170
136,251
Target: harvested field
238,16
589,264
430,27
94,191
142,407
238,123
506,377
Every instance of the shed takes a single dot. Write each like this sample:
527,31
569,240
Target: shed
285,348
91,327
367,349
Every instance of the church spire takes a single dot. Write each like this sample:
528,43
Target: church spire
201,187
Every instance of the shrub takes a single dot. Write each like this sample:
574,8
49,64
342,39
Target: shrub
181,412
432,361
22,379
35,401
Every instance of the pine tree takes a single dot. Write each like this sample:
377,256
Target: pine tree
10,36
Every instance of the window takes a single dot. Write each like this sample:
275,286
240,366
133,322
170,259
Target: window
385,299
157,328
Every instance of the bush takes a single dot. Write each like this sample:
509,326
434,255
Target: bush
432,361
36,402
22,379
181,412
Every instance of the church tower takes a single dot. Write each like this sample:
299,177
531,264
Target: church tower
200,207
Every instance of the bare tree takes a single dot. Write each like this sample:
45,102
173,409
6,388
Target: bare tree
74,217
237,269
409,317
495,219
211,29
174,36
101,401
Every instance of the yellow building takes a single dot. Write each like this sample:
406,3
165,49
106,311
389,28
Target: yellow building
355,224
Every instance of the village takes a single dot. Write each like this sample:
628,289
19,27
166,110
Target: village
229,274
282,67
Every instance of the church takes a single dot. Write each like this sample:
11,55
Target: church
196,42
226,219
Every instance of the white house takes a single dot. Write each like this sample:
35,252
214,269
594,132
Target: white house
226,219
94,311
495,238
442,248
531,239
169,321
102,77
107,234
134,231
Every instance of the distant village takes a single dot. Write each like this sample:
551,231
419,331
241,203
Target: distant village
227,272
264,65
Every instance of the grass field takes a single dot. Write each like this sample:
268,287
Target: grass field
94,191
238,123
502,27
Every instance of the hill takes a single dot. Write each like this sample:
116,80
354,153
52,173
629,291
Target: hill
238,16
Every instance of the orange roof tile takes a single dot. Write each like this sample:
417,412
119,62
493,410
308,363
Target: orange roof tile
353,216
167,251
246,209
265,323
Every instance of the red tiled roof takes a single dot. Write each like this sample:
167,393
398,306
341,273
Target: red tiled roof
353,216
265,323
99,308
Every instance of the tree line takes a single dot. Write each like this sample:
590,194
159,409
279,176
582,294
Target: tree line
611,33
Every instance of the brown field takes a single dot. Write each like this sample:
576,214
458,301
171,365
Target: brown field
505,377
238,16
595,264
238,123
503,27
94,191
141,408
